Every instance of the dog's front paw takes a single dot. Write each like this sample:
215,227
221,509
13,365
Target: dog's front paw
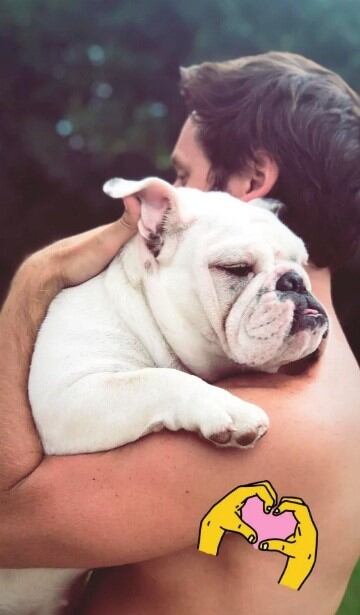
227,420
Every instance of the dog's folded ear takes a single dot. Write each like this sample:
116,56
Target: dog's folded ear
159,207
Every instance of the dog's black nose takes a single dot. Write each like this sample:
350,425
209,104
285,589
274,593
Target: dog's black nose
291,281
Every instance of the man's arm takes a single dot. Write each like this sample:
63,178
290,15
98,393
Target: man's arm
25,307
66,263
147,499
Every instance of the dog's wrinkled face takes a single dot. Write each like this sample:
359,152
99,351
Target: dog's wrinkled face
272,318
236,285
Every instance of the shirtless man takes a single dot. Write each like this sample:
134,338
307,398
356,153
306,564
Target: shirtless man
141,505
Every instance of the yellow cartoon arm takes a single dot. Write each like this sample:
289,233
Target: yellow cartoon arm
210,537
300,548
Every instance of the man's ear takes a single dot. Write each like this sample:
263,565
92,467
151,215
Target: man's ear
257,180
159,207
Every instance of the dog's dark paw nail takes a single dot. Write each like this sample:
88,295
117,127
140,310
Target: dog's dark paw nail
247,438
222,437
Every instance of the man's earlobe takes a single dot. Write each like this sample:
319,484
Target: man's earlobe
257,180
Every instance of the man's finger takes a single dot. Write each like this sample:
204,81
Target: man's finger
132,210
108,239
281,546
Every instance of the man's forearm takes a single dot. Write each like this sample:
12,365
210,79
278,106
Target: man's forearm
68,262
24,309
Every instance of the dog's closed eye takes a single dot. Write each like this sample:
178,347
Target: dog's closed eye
240,270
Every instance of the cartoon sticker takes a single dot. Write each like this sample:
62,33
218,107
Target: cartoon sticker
252,511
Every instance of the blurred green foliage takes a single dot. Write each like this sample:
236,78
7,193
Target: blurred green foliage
88,90
351,602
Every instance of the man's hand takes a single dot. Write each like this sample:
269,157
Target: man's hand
225,516
300,548
67,262
74,260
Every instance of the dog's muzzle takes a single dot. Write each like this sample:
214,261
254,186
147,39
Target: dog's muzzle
308,313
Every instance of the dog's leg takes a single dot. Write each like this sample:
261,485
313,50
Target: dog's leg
105,410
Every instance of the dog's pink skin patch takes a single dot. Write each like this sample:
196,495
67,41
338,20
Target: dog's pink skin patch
267,525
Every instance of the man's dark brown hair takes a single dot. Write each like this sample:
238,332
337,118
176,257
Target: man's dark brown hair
307,119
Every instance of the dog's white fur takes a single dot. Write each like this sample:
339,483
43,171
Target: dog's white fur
129,351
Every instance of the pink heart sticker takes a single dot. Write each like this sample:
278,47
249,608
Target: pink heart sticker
267,525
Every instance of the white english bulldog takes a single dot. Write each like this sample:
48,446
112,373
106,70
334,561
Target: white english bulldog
210,286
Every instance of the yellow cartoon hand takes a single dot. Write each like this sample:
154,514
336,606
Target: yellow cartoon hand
225,516
300,548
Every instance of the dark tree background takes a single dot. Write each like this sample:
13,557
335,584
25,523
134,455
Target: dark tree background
89,90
